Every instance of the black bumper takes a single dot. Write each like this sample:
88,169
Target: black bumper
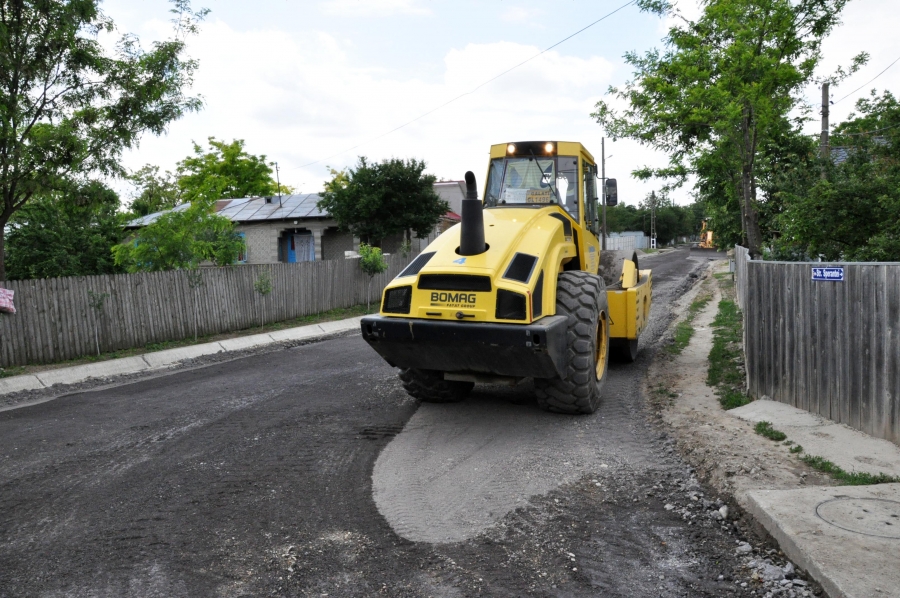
535,350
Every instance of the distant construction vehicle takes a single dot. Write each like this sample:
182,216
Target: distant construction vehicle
706,238
513,291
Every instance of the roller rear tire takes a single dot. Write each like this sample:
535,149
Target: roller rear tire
429,386
581,297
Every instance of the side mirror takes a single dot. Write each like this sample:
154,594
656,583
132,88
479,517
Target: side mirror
612,193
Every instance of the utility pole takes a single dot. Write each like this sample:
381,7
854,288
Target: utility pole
653,220
823,148
278,180
603,188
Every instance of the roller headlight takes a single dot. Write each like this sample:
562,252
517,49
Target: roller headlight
510,305
397,300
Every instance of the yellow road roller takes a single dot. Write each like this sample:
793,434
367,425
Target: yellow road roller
513,290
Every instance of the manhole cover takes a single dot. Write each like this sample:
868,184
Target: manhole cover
869,516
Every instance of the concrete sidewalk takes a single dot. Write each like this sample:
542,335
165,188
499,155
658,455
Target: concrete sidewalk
847,537
170,357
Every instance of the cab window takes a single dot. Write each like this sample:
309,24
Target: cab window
567,184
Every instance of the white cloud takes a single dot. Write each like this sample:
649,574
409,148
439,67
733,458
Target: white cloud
369,8
306,98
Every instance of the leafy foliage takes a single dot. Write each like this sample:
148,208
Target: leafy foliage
181,239
854,212
671,220
720,95
374,201
226,171
155,192
184,237
65,233
69,108
372,262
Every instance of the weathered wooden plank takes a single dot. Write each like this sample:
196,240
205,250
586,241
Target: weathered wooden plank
72,337
863,315
892,354
843,345
752,321
802,343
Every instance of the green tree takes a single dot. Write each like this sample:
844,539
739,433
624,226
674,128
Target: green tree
671,220
374,201
226,171
372,262
854,212
723,90
181,239
69,107
154,192
65,233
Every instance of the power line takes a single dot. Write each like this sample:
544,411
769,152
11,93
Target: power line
473,90
869,81
867,132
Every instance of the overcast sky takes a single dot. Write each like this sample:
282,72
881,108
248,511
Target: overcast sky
316,83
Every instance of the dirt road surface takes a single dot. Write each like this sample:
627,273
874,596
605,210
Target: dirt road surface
309,472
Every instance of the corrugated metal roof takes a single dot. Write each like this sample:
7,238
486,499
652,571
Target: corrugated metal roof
256,209
151,218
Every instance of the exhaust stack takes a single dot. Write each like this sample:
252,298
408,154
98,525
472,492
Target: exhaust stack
471,238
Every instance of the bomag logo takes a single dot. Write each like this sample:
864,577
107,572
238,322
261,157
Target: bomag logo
453,297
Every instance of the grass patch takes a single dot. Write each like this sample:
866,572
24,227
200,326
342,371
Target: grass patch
796,449
765,429
726,279
650,250
662,391
14,370
847,478
726,356
684,330
325,316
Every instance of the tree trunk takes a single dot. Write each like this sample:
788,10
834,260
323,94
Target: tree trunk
750,215
3,249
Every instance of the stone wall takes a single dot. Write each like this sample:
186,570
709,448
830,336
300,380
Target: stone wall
335,243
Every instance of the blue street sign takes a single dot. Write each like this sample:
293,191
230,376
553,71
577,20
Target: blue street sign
831,274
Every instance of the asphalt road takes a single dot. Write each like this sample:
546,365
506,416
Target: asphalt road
255,477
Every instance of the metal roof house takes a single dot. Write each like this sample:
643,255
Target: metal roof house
289,228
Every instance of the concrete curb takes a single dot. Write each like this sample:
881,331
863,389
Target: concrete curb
113,367
833,556
18,383
847,563
170,357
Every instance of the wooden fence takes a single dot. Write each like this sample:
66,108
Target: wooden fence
830,347
65,318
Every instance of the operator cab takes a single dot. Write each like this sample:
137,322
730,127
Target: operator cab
535,174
